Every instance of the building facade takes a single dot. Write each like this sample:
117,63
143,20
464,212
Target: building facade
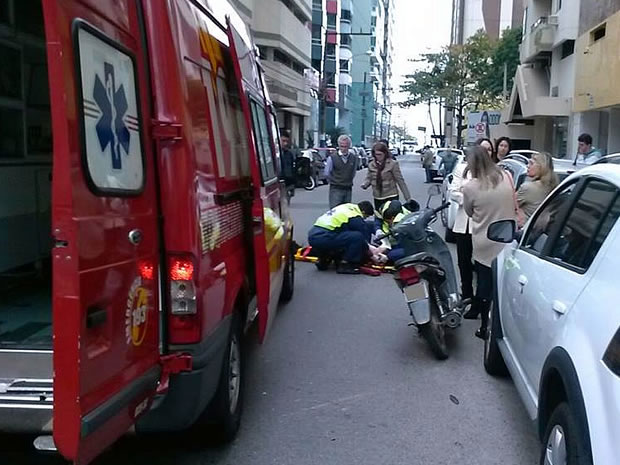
544,86
282,32
367,71
597,98
492,16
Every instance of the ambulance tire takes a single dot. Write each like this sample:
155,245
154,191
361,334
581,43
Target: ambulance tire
223,416
288,284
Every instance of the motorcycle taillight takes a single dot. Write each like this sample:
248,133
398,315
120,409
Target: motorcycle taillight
408,275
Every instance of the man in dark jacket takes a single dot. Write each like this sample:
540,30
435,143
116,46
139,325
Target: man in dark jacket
342,232
340,169
287,159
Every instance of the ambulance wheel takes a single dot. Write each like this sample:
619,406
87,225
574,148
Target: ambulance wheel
223,416
288,285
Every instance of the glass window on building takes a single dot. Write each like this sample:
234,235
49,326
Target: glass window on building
560,136
331,20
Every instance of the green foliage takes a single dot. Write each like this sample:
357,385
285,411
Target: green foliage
334,133
465,76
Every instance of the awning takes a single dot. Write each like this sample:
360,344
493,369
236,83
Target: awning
530,97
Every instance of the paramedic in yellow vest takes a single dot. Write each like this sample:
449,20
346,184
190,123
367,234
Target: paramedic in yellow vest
342,232
392,213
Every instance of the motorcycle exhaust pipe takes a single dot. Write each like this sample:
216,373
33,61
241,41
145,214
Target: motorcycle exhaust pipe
452,319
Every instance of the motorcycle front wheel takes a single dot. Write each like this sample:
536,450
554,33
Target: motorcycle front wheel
310,183
434,332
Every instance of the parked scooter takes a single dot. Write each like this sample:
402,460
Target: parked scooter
427,277
304,175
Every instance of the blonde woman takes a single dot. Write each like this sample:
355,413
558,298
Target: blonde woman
531,194
487,197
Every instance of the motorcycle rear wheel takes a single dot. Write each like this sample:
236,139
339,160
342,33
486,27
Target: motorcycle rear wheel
434,332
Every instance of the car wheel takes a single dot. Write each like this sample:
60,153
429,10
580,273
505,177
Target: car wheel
449,236
563,443
288,286
493,361
223,417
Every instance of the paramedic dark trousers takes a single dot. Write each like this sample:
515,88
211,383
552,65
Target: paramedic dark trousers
351,244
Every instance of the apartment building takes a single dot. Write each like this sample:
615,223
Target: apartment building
492,16
282,32
542,95
597,95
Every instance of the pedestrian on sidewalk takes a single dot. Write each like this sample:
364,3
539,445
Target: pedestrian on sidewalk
385,177
340,169
288,162
487,197
447,163
586,152
488,146
531,194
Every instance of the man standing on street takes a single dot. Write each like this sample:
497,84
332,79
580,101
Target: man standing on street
340,169
427,163
288,163
586,153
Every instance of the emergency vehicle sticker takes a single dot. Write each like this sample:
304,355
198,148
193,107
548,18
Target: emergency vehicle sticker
110,111
136,313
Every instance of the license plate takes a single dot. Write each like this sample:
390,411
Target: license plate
416,292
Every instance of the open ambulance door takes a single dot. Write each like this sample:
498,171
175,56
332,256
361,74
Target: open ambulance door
104,225
268,228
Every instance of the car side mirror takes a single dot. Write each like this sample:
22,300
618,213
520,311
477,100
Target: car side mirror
503,231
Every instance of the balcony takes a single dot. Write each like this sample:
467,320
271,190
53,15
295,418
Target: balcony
539,40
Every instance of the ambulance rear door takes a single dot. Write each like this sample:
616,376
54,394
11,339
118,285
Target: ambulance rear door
104,225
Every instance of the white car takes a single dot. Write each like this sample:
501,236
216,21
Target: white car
555,324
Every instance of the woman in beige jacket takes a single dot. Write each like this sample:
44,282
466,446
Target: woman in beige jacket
487,198
385,177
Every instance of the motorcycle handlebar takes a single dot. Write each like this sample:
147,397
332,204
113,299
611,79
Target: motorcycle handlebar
441,207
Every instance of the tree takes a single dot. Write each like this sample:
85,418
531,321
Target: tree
334,133
462,77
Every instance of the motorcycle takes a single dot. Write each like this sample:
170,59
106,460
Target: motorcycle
304,176
427,278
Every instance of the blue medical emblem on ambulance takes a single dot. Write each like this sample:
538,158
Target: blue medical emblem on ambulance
111,128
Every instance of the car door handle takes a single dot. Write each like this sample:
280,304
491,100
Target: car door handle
523,280
559,307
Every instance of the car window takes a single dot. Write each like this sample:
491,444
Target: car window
543,223
587,225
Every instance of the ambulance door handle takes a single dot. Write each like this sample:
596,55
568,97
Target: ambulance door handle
135,236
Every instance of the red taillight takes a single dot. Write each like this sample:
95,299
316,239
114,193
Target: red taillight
147,270
181,269
408,275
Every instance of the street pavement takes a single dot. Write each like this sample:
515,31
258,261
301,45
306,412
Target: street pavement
343,379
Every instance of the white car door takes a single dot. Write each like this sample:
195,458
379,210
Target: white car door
522,273
549,282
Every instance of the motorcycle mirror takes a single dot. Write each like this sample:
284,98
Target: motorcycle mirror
502,231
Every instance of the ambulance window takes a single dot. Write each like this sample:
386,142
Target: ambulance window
263,143
110,117
275,134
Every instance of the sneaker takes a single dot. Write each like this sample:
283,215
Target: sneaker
347,268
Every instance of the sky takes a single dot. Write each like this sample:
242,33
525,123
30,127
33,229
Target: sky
421,26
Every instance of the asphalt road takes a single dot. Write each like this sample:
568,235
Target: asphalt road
343,380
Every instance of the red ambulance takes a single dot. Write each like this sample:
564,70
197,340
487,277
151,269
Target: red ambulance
143,223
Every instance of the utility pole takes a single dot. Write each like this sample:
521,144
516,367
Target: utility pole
364,109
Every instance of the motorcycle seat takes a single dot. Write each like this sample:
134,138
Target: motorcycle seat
415,258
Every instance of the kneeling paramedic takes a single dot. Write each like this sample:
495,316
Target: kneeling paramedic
342,232
392,213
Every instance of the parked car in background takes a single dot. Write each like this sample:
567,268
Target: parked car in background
523,152
555,326
613,158
517,169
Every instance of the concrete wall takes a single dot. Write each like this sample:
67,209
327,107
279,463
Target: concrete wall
594,12
568,17
597,67
563,73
